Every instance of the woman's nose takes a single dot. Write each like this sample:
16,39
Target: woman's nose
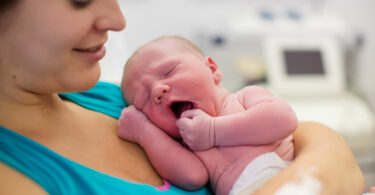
111,17
159,91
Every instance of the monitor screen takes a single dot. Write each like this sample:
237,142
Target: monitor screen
300,62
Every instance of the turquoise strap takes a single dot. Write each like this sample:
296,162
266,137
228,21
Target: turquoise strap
103,97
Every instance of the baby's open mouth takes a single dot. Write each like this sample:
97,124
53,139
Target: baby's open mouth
179,107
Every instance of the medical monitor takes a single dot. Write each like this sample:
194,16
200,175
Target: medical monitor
304,65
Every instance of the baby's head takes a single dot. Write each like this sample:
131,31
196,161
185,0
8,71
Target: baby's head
168,76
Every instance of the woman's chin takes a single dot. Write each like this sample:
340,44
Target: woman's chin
81,83
91,80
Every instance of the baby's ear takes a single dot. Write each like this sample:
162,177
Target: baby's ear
217,76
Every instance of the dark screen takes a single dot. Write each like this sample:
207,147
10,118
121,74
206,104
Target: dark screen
303,62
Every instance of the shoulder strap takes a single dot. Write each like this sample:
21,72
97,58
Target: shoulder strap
103,97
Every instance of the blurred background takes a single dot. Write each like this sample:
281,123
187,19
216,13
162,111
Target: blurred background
319,55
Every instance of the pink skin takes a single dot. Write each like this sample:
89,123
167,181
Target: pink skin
225,131
197,129
164,79
179,165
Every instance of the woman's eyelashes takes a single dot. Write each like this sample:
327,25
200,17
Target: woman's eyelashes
80,3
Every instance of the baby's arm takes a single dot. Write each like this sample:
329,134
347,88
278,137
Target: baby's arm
172,161
266,119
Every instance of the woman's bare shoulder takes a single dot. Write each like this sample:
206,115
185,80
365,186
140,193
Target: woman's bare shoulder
11,180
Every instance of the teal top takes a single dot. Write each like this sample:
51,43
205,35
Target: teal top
59,175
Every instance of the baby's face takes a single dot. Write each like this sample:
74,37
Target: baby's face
163,84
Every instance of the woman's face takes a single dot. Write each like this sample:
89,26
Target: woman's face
50,46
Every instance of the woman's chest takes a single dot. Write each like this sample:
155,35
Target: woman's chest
100,148
90,139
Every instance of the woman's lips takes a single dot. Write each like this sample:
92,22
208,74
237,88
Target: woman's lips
93,54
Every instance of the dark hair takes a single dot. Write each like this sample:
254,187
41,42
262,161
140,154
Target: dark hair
6,4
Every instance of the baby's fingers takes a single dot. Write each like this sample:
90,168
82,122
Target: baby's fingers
191,113
183,123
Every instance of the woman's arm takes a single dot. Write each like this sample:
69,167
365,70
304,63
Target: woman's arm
322,154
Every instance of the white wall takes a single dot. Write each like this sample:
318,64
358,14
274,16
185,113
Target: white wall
360,14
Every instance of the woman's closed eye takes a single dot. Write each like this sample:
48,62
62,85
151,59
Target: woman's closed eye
80,3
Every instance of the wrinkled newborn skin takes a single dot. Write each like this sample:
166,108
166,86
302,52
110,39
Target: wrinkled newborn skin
180,94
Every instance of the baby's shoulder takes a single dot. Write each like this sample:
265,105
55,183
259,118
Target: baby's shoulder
253,90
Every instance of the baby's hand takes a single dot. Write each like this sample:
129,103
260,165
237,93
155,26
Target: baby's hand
131,124
197,129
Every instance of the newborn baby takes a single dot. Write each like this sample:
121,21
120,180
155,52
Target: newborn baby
236,140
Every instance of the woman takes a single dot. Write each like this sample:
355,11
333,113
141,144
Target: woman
67,144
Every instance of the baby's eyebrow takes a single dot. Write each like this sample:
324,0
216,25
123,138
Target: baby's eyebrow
166,64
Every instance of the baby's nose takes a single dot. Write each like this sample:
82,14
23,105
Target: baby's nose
159,91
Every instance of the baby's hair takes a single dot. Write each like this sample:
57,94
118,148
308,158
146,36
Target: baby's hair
181,44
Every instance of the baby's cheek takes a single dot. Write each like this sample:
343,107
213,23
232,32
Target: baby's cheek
170,128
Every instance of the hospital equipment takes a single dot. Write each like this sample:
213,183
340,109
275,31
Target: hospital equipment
308,72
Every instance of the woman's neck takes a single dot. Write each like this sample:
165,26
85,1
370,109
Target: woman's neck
20,105
22,98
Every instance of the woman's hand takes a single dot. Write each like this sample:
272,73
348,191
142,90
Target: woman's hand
321,154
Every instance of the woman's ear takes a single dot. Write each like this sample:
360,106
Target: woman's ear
217,76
